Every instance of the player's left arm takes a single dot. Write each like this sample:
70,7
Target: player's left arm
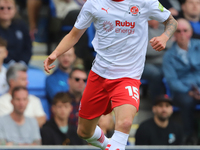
159,43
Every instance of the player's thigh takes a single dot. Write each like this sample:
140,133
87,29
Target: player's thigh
95,100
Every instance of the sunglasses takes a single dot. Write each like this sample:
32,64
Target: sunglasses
78,79
184,30
2,8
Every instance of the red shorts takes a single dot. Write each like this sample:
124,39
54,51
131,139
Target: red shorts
102,95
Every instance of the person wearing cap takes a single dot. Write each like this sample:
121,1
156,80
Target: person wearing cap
160,130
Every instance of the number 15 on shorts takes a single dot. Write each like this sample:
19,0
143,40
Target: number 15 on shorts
133,92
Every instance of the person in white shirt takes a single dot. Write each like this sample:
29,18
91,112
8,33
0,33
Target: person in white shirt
113,83
17,76
15,128
3,54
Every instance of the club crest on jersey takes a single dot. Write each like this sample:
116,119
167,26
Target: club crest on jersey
134,10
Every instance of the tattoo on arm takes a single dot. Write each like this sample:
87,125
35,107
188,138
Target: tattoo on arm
170,26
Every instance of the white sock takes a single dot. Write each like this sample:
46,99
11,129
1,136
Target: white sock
98,139
118,141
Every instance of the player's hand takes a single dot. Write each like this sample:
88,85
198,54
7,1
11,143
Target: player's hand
48,62
159,43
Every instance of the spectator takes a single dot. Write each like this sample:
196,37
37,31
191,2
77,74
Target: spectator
63,14
3,54
17,76
191,12
15,32
181,65
159,130
15,128
57,82
77,82
57,131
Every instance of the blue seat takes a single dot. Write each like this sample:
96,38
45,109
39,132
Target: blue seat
36,86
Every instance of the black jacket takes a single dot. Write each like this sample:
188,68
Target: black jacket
51,135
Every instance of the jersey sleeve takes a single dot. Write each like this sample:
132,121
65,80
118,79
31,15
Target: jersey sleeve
85,17
157,11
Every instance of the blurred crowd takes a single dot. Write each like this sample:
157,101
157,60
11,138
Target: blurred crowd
49,116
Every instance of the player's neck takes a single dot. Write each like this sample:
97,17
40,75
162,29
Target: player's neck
161,124
5,24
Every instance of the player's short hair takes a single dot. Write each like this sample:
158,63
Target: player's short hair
13,69
18,88
61,97
75,69
3,42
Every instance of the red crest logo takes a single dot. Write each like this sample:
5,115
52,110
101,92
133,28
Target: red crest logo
134,10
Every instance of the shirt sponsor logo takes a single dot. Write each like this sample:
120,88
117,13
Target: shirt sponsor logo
125,24
108,26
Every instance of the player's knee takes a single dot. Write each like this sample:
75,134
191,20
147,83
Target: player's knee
83,134
125,124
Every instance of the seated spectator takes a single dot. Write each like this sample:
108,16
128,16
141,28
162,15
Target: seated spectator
15,32
17,76
3,54
181,66
57,82
191,12
77,82
57,131
159,130
15,128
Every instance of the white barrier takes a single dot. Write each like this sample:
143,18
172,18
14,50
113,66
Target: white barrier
94,148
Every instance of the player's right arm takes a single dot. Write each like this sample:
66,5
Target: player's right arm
66,43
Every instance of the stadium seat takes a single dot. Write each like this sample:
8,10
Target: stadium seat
36,86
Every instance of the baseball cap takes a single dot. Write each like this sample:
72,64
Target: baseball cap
163,98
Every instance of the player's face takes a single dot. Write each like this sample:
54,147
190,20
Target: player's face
62,110
21,79
7,10
77,82
20,101
3,53
192,8
67,59
183,33
163,111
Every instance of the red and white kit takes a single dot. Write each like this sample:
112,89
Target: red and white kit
121,36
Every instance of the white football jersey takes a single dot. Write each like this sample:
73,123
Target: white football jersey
121,34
